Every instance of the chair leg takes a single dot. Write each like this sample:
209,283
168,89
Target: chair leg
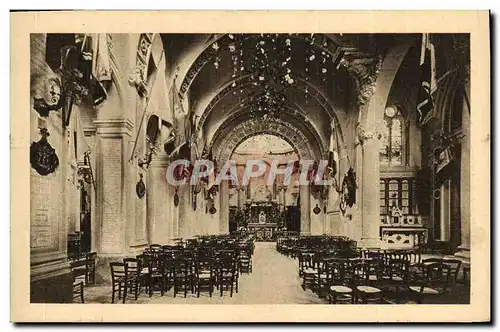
113,294
81,293
136,288
125,292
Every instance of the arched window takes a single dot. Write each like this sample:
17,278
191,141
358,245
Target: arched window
392,144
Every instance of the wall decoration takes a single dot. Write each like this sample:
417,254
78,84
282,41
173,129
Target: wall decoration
176,197
43,157
316,209
348,191
47,95
140,187
213,210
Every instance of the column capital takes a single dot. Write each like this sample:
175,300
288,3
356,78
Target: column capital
363,135
159,160
113,127
364,69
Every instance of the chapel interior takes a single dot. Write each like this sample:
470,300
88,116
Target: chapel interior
110,112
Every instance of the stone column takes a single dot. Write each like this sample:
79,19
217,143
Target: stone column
159,201
224,207
445,211
112,179
370,205
305,210
464,249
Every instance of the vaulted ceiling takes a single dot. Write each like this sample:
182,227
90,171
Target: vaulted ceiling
303,80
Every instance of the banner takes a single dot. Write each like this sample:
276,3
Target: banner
425,104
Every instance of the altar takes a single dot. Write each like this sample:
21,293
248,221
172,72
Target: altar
263,232
263,219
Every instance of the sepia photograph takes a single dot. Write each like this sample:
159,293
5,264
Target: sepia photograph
319,169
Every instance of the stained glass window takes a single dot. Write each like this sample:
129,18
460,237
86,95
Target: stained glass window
391,142
384,143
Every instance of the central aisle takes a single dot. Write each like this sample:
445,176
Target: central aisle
274,280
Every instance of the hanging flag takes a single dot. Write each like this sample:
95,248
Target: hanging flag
180,116
214,171
425,105
101,61
443,160
158,98
94,65
333,155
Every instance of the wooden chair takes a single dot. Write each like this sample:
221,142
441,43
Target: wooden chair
365,292
454,265
417,271
245,260
134,277
307,269
434,282
227,275
78,291
340,283
182,276
156,273
118,280
90,266
205,274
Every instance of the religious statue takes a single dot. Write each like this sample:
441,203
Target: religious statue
262,217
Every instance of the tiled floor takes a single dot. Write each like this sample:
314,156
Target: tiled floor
274,280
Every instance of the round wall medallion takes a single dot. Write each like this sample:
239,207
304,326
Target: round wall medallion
213,210
316,209
140,188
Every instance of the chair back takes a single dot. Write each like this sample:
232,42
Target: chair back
205,265
431,260
414,256
399,268
118,270
454,265
132,266
437,275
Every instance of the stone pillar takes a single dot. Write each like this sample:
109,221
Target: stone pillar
50,276
184,204
370,205
305,210
464,249
159,201
112,180
224,207
445,211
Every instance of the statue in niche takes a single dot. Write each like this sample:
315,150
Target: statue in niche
262,217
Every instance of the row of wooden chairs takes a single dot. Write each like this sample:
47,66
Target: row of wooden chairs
368,278
183,270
